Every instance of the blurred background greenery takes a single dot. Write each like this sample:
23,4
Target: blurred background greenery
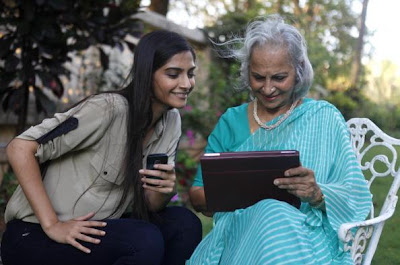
53,53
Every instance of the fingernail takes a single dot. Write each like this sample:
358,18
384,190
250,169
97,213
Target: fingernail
88,251
286,174
104,224
276,182
155,166
141,171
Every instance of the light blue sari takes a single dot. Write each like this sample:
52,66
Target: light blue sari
273,232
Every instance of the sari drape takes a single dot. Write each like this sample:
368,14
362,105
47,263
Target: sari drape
273,232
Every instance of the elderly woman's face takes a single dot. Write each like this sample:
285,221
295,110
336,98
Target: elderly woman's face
272,78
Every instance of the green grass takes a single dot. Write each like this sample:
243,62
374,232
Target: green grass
388,251
207,223
389,245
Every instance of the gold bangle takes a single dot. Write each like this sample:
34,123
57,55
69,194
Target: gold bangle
321,204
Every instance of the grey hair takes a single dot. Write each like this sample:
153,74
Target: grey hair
272,30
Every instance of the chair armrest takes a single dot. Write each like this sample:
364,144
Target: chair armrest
383,216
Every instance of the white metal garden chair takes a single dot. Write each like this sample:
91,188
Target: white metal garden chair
364,236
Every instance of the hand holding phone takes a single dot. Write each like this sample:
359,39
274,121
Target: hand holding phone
153,159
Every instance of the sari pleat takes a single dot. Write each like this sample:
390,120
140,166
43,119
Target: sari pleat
274,232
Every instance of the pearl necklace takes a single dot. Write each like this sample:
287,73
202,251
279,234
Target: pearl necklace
270,127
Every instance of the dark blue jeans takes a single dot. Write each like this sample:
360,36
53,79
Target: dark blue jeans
170,240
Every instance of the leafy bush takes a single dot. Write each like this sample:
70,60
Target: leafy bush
343,102
386,117
7,188
185,168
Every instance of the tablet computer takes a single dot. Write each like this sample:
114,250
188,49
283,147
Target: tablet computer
235,180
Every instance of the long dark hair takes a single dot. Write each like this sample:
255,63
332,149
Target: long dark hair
152,52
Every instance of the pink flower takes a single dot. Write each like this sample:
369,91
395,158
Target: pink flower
188,108
175,198
53,84
190,136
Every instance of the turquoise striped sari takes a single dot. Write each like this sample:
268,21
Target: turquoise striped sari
273,232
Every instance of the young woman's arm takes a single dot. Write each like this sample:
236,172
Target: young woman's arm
21,155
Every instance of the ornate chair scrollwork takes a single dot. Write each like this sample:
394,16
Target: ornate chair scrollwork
377,154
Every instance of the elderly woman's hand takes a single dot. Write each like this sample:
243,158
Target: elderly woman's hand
301,182
165,181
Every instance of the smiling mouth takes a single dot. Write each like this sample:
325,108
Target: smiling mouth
270,97
181,94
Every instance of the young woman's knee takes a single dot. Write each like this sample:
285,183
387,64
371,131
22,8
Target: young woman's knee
141,241
184,217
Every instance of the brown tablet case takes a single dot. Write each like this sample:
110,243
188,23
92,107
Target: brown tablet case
235,180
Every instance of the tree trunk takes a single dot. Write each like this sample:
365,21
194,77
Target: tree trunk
278,7
159,6
297,8
250,4
27,81
356,65
236,5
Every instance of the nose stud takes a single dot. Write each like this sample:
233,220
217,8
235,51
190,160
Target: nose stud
272,89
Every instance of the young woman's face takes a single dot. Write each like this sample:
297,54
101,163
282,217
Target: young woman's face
272,78
173,82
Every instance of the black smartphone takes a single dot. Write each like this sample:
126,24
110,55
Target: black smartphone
155,159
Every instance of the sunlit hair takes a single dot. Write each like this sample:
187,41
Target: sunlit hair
272,31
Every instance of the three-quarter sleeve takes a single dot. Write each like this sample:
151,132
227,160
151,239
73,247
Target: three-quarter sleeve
93,117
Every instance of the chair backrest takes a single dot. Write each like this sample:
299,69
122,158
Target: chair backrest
377,154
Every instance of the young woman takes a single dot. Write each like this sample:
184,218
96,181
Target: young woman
94,202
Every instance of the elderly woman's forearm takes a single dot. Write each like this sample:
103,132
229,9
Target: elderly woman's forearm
198,200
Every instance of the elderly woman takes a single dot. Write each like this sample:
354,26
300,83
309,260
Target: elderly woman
276,68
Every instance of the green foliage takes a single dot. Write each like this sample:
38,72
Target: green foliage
207,223
185,167
385,116
205,107
343,102
7,188
230,25
328,27
37,37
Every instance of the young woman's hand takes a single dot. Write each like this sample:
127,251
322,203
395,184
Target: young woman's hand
69,232
165,181
301,182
